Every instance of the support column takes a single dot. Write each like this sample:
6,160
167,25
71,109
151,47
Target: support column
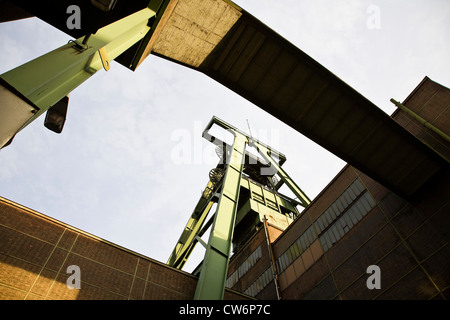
211,283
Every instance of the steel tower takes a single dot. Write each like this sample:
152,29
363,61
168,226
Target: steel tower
245,188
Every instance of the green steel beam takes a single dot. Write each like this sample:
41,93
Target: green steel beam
233,129
187,240
266,154
44,81
214,267
193,230
421,120
213,273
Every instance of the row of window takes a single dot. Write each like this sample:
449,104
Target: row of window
296,249
260,283
340,205
265,201
244,267
332,224
351,217
351,206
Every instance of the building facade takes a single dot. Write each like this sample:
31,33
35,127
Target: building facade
356,240
356,223
44,259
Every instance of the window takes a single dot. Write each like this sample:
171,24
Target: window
244,267
347,210
350,217
296,249
263,280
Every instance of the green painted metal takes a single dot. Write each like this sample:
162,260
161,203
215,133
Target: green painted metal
266,154
187,240
211,283
229,127
421,120
214,268
280,199
46,80
225,191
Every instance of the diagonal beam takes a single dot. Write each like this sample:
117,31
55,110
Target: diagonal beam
187,240
42,82
274,166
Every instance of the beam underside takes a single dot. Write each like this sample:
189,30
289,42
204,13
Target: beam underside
258,64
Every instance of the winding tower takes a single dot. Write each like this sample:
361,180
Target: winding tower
245,188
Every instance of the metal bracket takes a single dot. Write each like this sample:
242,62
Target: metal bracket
104,57
81,47
200,240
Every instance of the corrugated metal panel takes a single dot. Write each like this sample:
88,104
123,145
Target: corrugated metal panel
320,225
346,211
358,184
304,242
311,235
352,215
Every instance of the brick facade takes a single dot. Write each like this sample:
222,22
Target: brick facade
36,250
323,254
407,240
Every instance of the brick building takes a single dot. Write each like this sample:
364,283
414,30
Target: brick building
36,251
354,223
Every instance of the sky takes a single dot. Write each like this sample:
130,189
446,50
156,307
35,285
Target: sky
130,164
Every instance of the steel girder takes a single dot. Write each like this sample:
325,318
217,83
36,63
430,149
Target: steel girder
214,268
34,87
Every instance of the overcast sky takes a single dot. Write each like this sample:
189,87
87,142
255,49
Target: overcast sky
118,169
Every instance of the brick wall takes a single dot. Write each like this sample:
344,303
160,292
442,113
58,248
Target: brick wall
431,101
409,241
36,250
259,240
